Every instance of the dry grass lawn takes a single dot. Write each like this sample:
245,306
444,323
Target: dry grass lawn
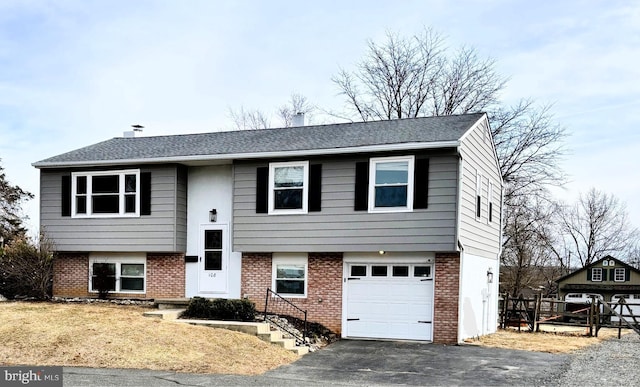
116,336
558,341
112,336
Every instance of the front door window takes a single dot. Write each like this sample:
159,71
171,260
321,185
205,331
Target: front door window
213,250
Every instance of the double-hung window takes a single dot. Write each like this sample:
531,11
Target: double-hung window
105,193
478,195
596,274
290,273
117,274
619,274
391,184
490,203
288,187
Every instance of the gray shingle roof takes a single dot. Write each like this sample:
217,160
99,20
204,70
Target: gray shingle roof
252,142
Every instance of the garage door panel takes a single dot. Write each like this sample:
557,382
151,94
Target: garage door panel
385,330
389,307
390,311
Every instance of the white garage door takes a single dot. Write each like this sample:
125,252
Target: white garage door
391,301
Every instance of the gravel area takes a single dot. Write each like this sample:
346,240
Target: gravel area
611,363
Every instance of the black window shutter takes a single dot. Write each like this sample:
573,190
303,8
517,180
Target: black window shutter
589,274
421,184
627,274
66,195
315,187
362,186
145,193
604,274
262,194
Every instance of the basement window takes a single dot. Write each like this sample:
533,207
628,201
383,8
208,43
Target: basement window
121,274
290,275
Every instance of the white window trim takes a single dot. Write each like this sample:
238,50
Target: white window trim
593,272
305,188
372,183
478,194
121,194
390,276
489,201
118,261
290,259
615,274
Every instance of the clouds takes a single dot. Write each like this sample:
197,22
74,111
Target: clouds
74,73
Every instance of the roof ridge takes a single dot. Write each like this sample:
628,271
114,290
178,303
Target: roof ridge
381,135
306,126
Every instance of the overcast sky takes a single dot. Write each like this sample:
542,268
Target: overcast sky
73,73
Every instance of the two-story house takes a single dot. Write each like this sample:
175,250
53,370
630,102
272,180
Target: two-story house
386,229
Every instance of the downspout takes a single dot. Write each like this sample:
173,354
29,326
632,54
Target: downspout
458,204
460,245
461,253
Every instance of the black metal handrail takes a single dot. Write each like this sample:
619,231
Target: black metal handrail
285,309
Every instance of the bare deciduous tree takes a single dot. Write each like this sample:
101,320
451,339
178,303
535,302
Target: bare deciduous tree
527,261
411,77
249,119
466,84
529,146
257,119
597,225
395,79
298,103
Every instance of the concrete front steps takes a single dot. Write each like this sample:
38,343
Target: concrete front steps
261,330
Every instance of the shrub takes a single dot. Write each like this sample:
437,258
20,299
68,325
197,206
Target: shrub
198,308
26,268
103,279
220,309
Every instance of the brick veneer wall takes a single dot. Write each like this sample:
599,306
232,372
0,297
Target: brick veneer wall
446,298
165,276
71,275
324,288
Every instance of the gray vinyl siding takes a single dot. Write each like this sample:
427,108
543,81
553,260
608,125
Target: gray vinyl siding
180,208
479,236
338,227
162,231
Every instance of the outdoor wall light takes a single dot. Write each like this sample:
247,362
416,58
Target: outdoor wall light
381,252
213,215
489,276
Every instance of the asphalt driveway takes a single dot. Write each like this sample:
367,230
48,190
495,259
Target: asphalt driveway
386,362
351,362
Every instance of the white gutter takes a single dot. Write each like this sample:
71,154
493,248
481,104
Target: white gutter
254,155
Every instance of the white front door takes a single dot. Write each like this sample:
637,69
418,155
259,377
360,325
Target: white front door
213,259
